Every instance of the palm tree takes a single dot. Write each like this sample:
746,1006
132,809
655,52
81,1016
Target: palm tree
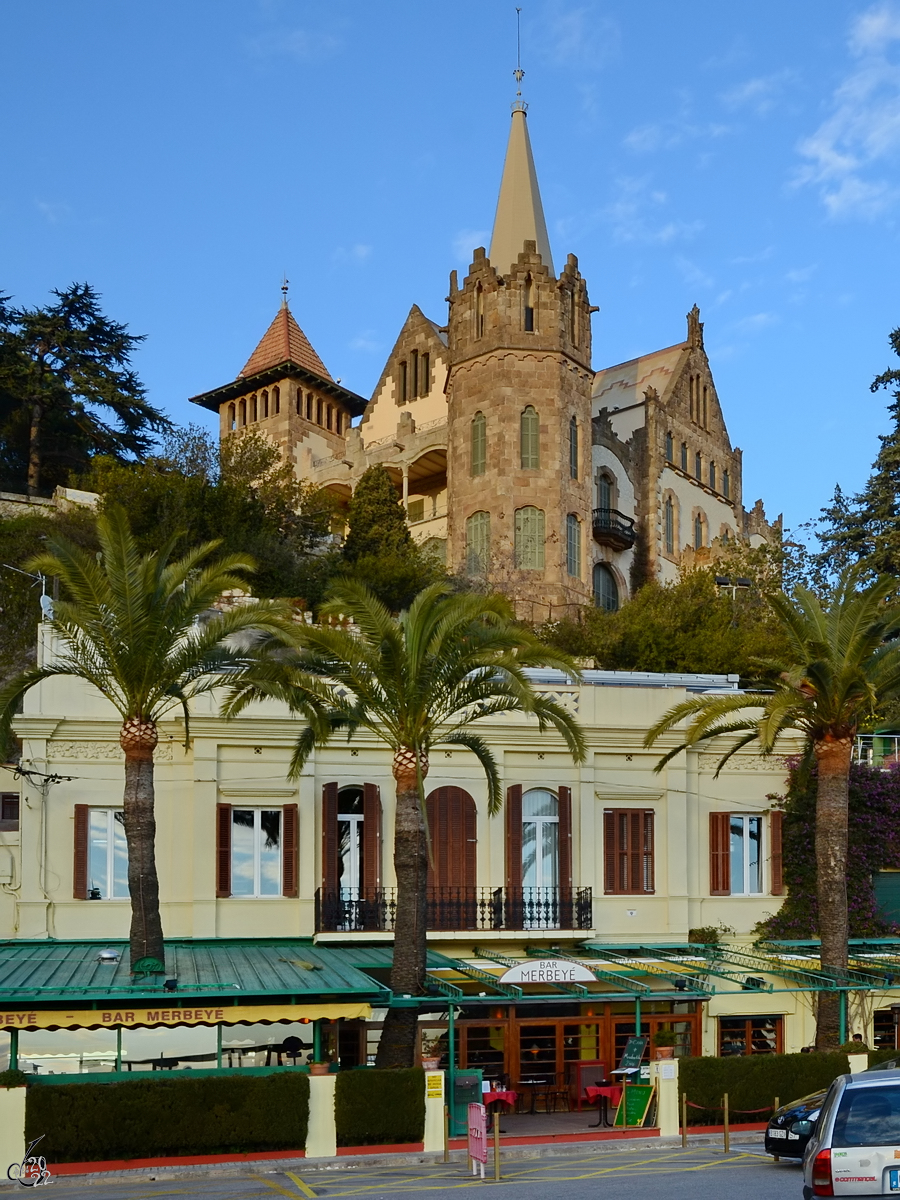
417,680
843,664
137,628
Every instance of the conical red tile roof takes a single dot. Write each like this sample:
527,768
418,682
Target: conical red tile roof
284,340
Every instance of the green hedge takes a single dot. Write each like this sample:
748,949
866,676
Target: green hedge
880,1056
753,1082
380,1108
93,1122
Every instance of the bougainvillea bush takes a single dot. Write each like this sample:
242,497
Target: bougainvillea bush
874,846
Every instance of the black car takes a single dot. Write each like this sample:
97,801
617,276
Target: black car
781,1139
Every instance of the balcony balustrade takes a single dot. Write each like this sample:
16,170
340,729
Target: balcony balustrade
452,909
612,528
877,750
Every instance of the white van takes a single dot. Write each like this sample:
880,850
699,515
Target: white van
854,1149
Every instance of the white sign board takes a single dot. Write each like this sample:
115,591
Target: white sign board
551,970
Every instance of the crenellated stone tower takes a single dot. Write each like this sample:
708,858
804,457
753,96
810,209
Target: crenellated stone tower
519,405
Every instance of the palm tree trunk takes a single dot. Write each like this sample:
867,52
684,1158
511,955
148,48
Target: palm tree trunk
138,739
833,756
397,1047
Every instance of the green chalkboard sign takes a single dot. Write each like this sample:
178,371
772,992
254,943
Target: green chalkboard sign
637,1097
632,1055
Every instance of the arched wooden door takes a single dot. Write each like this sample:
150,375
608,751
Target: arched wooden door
452,894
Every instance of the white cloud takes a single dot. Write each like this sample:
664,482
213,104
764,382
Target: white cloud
666,135
352,254
848,155
760,94
692,274
582,35
635,215
755,323
465,242
301,44
366,342
760,256
53,212
800,274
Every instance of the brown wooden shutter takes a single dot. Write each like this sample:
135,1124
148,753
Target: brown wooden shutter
223,850
647,882
452,827
719,854
635,851
80,871
290,850
514,837
371,876
564,810
609,851
330,872
776,822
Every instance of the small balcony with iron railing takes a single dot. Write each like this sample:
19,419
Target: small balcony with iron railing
354,910
612,528
881,750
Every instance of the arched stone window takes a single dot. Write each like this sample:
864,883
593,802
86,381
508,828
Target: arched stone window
319,410
698,465
726,485
479,444
684,456
329,416
529,305
232,422
339,422
573,448
529,438
573,546
242,412
254,411
479,310
669,525
699,531
529,545
606,590
670,448
264,404
712,475
478,543
276,400
606,491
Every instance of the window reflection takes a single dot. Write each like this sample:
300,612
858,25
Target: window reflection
255,852
350,838
107,854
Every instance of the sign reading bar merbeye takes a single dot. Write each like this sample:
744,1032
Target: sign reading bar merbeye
553,970
90,1018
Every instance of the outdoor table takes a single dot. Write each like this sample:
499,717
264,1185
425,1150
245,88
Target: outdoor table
493,1101
603,1094
534,1086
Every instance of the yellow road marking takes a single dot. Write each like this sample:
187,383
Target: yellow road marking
304,1187
276,1187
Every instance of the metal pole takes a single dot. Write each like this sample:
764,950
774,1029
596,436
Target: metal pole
843,1012
14,1050
317,1042
496,1147
451,1066
727,1138
624,1102
684,1120
446,1133
637,1016
118,1047
219,1047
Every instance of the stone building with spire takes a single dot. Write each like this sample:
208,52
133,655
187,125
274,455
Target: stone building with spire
516,460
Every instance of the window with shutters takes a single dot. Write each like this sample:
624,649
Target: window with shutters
540,839
415,511
351,843
107,855
256,851
529,438
745,852
628,852
479,444
478,543
9,812
529,549
573,448
606,590
573,546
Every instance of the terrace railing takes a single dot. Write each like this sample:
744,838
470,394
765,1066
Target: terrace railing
456,909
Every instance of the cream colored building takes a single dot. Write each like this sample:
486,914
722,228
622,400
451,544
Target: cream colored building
607,862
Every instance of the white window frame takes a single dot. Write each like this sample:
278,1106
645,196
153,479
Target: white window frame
745,839
257,811
107,885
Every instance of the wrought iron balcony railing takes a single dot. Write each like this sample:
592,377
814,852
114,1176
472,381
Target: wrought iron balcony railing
356,910
612,528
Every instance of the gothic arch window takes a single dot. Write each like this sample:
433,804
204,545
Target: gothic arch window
606,491
726,485
253,409
529,304
319,407
699,531
670,448
479,310
529,545
712,475
540,839
309,406
684,457
573,546
606,590
425,373
705,408
232,423
402,383
726,535
529,438
478,543
339,422
329,416
669,525
276,400
698,465
242,412
478,444
263,404
413,374
573,448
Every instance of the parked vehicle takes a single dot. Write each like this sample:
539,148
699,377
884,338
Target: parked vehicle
853,1145
781,1138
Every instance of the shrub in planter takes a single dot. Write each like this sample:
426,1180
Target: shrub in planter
222,1114
379,1108
753,1081
11,1079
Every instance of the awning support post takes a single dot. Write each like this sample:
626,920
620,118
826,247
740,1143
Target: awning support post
13,1049
843,1018
317,1041
219,1047
118,1047
451,1065
637,1016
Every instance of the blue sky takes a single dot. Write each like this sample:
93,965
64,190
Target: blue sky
180,157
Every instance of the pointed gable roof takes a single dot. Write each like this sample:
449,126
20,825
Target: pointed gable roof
284,341
520,214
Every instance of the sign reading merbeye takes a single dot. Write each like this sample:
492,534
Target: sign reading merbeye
133,1017
553,970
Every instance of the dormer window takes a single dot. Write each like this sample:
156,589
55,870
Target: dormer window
529,305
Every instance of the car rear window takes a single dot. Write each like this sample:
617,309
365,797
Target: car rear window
869,1117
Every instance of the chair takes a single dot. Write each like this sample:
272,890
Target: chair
558,1094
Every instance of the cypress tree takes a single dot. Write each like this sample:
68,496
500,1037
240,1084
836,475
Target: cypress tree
376,519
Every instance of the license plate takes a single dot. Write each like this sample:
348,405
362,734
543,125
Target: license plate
894,1184
793,1137
777,1133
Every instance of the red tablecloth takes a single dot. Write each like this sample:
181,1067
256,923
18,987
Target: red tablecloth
612,1092
506,1097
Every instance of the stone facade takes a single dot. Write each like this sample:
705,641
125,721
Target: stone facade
627,474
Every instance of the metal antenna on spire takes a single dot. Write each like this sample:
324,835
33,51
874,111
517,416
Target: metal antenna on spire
284,289
518,74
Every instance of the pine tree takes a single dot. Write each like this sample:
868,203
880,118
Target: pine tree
376,518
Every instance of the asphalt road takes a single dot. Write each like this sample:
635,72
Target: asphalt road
697,1174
